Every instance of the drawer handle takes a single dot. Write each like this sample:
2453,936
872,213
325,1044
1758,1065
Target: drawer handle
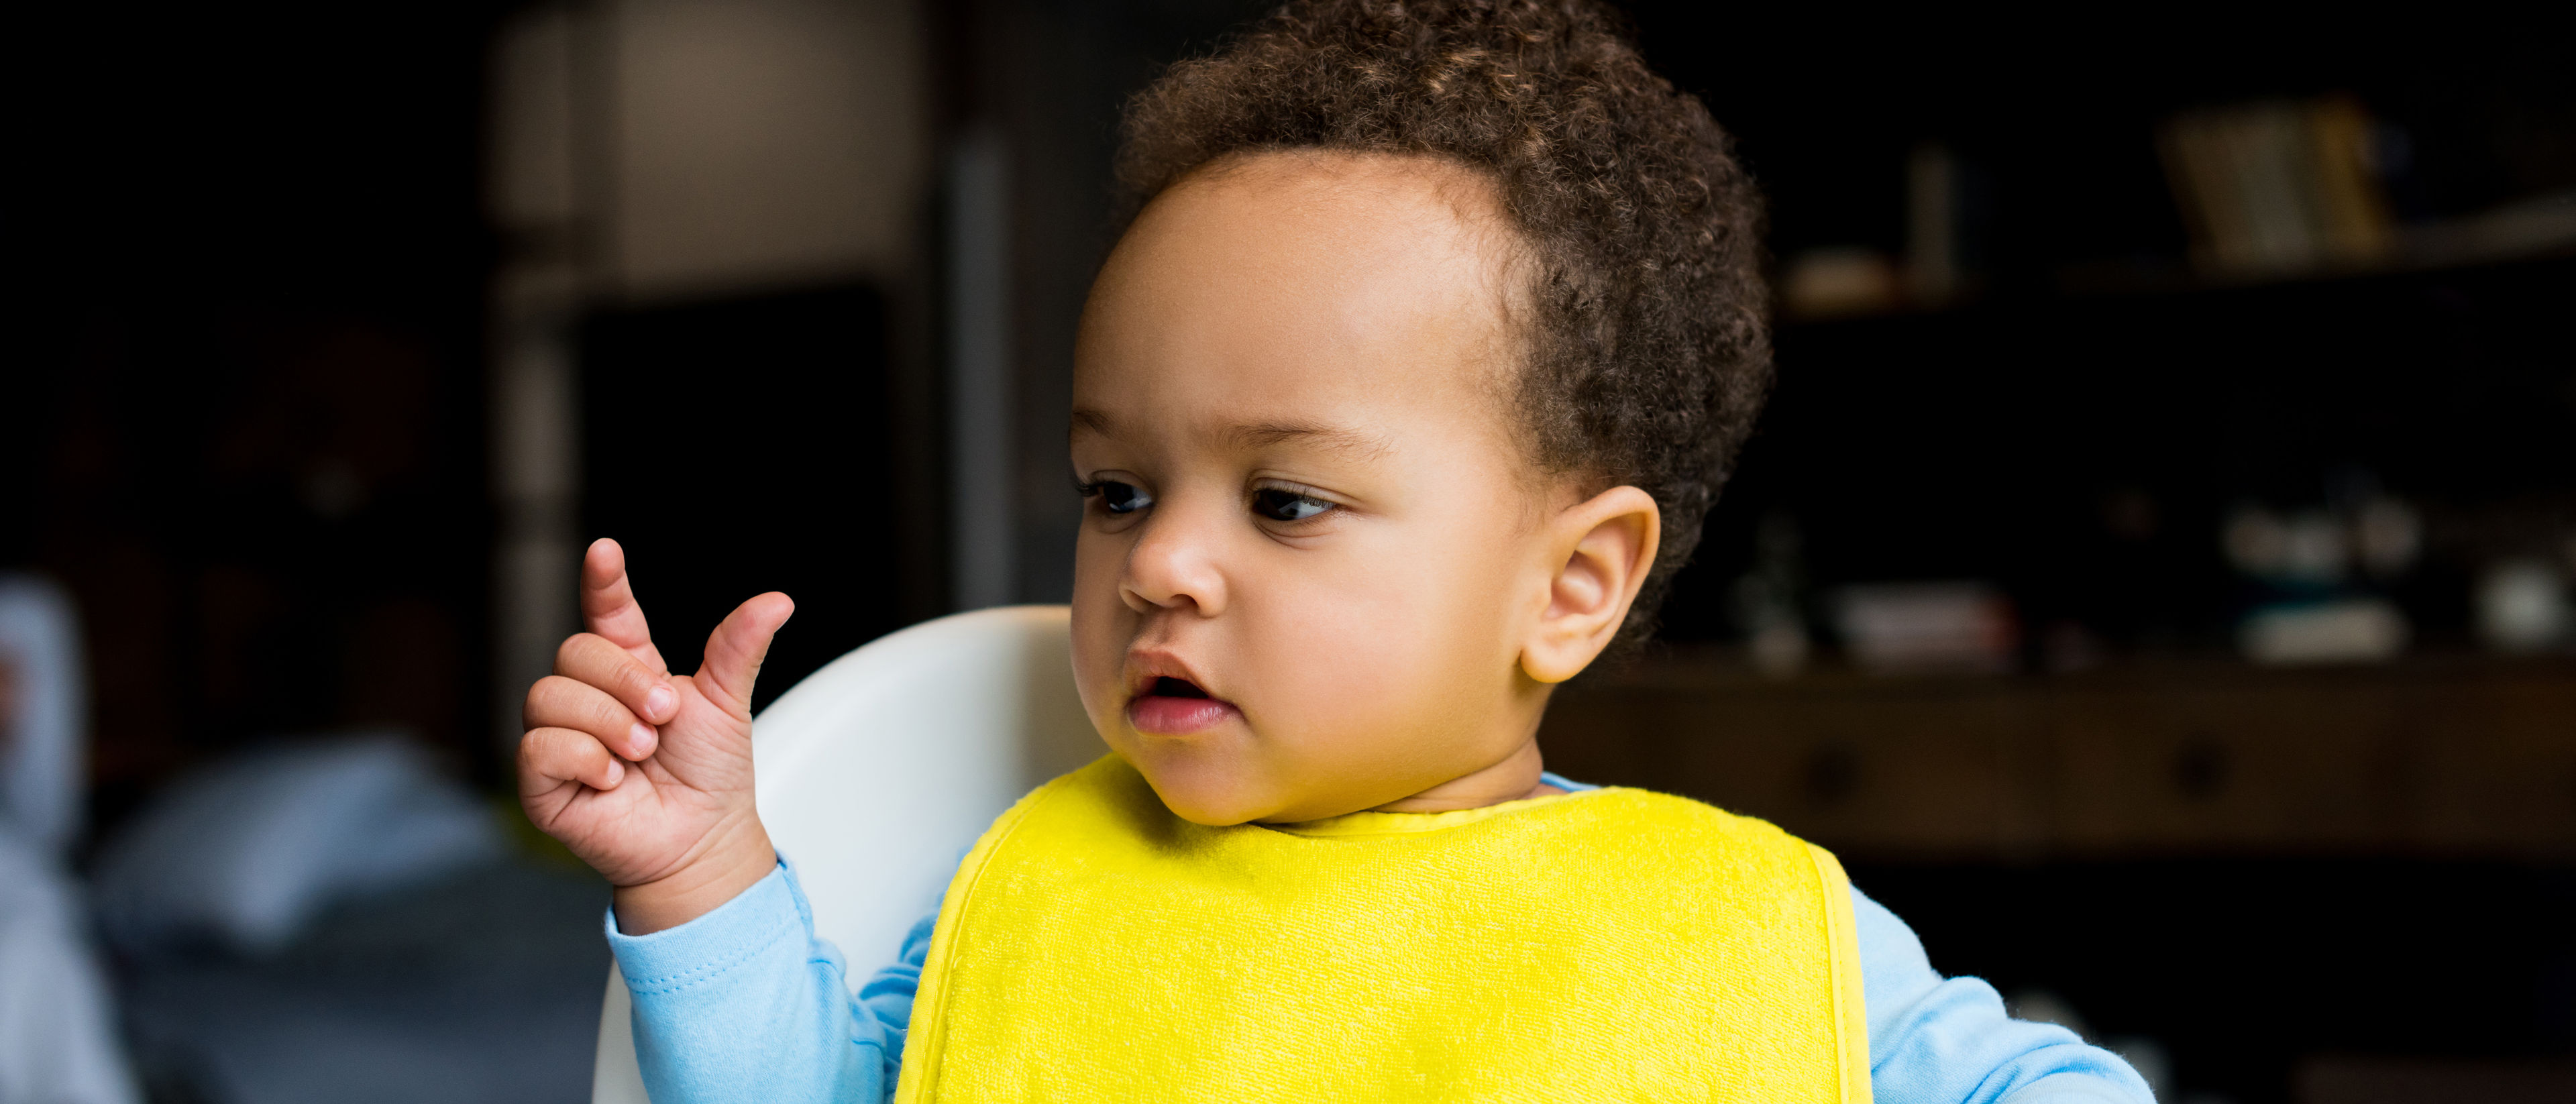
1833,773
2201,768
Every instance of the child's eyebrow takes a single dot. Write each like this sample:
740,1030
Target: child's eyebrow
1252,435
1085,418
1335,438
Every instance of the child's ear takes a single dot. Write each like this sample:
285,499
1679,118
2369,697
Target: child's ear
1602,549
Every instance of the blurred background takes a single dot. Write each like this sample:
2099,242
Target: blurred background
2152,575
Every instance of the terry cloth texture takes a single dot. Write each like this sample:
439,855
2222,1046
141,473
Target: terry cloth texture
1607,945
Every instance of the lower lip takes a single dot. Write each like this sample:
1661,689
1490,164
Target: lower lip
1170,716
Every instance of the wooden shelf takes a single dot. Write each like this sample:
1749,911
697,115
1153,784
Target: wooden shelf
2467,757
2162,279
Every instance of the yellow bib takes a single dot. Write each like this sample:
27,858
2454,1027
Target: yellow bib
1607,945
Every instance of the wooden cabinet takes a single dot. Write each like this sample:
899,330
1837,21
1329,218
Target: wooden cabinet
2493,767
2188,766
1937,769
2470,757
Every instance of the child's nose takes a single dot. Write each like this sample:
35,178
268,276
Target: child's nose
1174,565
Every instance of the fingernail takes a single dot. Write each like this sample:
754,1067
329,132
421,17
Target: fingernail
660,701
638,739
616,774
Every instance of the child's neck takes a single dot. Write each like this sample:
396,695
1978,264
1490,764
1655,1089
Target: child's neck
1517,776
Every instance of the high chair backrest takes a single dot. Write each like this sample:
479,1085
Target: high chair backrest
878,771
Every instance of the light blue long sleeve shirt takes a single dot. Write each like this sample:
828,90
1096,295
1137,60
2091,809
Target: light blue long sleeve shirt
745,1004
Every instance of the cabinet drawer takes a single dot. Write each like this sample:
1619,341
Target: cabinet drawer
2459,759
1925,776
2491,766
2194,769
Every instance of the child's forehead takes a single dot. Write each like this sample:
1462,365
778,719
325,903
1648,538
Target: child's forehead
1353,402
1271,301
1285,232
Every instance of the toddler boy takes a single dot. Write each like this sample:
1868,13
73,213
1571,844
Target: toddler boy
1401,398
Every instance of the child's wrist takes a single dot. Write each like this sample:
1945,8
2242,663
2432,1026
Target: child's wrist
738,856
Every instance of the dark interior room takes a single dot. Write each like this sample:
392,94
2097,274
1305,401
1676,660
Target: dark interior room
2154,574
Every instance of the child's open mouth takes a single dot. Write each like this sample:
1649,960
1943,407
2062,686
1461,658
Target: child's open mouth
1173,707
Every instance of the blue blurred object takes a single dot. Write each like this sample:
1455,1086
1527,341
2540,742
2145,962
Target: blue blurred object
481,985
44,740
244,855
57,1035
337,920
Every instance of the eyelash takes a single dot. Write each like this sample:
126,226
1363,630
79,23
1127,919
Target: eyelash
1264,499
1268,502
1100,489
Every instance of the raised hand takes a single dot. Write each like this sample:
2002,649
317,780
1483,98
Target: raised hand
643,774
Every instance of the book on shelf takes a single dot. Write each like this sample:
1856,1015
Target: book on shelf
2279,187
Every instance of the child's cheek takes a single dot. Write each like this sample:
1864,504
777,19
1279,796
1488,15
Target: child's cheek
1102,625
1338,659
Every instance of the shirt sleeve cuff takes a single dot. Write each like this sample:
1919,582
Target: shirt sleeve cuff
702,949
2072,1088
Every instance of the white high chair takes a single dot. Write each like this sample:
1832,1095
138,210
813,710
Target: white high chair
878,771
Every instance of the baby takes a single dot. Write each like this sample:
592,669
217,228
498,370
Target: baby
1398,403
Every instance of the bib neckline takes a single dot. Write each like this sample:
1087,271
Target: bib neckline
1373,823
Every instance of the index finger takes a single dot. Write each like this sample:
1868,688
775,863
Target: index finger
608,605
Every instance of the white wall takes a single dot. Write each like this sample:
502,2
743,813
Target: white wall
714,146
762,142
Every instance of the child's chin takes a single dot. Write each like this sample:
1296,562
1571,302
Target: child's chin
1204,793
1215,813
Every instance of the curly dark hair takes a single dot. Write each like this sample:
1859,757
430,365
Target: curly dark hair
1650,350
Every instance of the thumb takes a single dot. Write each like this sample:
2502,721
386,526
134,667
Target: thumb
736,648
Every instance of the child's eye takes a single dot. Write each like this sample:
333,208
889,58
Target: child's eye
1278,504
1117,497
